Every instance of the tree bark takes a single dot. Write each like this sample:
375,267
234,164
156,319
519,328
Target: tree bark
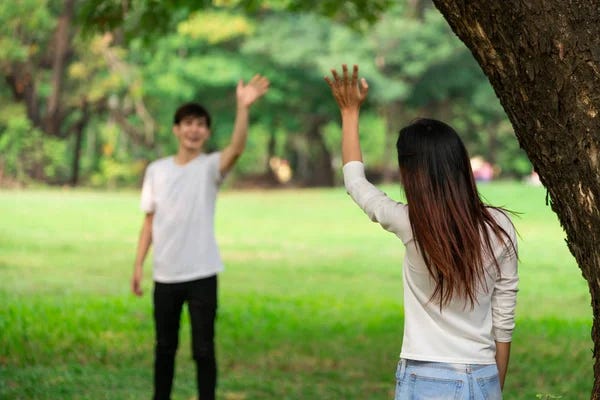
78,129
21,82
321,169
271,144
61,49
393,114
145,135
308,155
543,59
417,7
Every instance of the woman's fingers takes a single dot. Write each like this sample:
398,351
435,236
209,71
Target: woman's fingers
346,88
345,72
354,75
364,86
336,77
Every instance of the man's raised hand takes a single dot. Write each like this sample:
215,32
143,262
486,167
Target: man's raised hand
249,93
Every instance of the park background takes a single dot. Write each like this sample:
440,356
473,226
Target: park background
311,301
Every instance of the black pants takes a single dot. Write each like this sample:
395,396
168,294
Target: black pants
201,298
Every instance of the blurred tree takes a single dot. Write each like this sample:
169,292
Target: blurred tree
118,101
435,75
150,19
297,78
62,81
200,61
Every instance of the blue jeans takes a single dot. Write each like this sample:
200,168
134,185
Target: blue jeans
424,380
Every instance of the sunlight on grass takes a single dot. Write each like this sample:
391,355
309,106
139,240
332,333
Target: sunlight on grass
310,302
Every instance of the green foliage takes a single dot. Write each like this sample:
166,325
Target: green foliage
215,26
414,64
255,158
25,153
372,141
33,30
355,12
150,19
113,173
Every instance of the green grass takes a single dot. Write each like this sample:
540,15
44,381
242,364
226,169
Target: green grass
310,302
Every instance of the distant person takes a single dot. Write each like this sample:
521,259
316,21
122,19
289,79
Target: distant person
178,197
533,179
460,266
281,169
483,171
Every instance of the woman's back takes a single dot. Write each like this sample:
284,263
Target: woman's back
457,332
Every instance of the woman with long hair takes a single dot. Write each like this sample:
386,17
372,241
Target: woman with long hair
460,266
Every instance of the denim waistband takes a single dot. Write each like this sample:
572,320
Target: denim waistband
466,368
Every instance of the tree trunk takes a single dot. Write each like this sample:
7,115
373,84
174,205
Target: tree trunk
76,157
78,129
492,143
543,59
393,114
321,173
271,145
417,8
61,46
21,82
308,155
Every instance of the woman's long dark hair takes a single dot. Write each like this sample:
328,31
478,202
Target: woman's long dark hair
448,219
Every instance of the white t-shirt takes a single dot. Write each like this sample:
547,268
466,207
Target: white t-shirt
456,334
182,198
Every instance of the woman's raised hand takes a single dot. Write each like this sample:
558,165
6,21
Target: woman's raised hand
348,92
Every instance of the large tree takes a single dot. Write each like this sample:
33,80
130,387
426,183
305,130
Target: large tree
65,85
543,59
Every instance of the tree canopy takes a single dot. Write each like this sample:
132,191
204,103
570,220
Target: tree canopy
90,87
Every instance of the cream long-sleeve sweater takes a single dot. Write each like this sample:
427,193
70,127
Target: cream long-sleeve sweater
457,333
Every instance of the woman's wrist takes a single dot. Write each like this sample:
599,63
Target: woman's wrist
349,111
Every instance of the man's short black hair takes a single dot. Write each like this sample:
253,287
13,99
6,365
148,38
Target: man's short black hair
194,110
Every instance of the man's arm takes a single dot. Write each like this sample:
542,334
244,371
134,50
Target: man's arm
349,94
246,95
144,243
502,357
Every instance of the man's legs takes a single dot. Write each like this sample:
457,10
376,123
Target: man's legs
168,301
202,306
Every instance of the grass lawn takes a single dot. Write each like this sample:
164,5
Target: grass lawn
310,302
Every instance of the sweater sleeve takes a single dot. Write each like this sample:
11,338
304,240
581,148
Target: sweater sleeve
391,215
504,297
